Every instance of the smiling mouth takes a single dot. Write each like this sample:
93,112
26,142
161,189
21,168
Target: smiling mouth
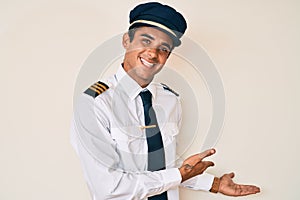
146,63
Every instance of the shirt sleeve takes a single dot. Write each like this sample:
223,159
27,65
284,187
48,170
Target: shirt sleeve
99,158
201,182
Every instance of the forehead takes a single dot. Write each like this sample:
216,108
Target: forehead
155,33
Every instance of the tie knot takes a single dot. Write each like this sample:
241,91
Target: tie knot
146,97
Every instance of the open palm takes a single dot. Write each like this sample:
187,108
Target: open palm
229,188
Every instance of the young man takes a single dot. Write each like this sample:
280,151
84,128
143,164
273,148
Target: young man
124,128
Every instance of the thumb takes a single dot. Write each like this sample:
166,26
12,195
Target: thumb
231,175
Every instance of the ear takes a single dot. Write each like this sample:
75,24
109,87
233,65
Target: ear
126,40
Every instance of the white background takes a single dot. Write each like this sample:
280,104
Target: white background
254,44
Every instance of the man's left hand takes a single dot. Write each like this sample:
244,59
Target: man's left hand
229,188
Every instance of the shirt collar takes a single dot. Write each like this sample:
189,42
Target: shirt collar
130,86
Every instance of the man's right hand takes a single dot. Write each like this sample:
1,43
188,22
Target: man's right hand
194,165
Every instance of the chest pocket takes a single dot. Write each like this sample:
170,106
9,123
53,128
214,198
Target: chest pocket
131,146
169,132
129,139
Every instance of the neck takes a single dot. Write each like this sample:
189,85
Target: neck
142,82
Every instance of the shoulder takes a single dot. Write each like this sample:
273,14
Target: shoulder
168,89
96,89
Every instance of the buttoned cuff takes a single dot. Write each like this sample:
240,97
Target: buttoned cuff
204,182
171,178
200,182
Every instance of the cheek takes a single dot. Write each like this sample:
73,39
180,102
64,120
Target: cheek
134,52
163,59
159,67
131,55
135,46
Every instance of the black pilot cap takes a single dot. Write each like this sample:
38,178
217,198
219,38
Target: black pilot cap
163,17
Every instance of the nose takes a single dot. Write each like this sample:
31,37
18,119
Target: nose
152,53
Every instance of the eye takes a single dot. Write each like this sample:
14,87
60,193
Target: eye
164,50
146,41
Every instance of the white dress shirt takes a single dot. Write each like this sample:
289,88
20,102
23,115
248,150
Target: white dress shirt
107,134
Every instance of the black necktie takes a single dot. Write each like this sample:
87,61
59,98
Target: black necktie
156,153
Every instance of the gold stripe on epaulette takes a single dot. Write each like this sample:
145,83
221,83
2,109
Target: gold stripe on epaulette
98,88
102,86
95,90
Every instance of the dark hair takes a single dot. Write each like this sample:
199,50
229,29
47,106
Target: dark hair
131,33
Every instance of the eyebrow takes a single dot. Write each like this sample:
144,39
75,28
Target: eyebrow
152,38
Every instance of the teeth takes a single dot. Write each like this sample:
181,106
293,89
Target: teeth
147,63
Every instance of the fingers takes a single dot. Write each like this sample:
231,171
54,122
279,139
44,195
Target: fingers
249,189
209,163
206,164
194,165
243,190
206,153
203,165
194,159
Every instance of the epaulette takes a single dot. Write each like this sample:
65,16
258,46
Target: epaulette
96,89
169,89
